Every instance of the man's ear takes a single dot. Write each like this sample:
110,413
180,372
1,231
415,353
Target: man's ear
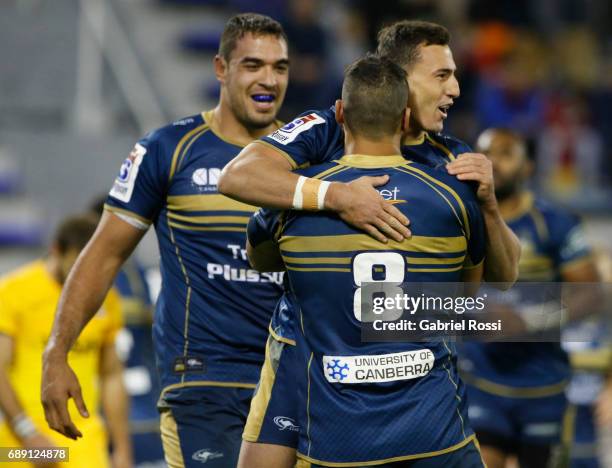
339,112
405,119
220,66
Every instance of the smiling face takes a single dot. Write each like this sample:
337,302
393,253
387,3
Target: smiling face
433,87
254,79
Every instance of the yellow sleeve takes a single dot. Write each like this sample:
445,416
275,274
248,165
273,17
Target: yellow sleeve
112,304
9,312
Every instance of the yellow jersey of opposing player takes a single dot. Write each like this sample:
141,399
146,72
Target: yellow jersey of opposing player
28,299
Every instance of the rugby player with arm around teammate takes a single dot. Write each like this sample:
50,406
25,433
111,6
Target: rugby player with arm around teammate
211,318
261,174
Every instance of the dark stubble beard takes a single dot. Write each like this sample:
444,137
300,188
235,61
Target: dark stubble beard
507,190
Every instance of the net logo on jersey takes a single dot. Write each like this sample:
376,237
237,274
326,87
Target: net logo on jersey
378,368
125,181
289,132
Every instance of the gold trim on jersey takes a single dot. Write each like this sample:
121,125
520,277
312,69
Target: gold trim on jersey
440,146
450,377
208,228
210,219
171,441
315,260
208,117
313,269
568,425
277,337
434,270
514,392
212,202
188,146
188,295
205,383
261,398
337,169
414,141
308,403
370,161
131,214
592,359
281,152
354,242
435,260
178,150
415,456
466,221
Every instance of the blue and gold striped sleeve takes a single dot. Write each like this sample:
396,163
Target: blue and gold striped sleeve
140,188
312,138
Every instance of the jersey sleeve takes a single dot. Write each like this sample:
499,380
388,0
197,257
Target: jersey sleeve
112,304
9,320
568,237
263,226
477,240
312,138
140,187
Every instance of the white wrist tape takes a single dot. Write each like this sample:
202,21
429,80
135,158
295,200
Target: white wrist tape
321,194
309,194
23,426
298,198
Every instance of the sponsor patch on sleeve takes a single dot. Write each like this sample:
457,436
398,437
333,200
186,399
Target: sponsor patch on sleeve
126,179
378,368
289,132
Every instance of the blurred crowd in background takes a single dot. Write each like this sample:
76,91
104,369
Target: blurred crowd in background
100,73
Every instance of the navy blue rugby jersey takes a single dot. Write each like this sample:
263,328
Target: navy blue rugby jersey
315,137
213,311
551,240
351,415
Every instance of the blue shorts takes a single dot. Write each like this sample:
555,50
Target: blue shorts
515,421
467,456
273,415
204,426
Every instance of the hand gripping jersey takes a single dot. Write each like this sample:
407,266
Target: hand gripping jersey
212,314
551,240
349,414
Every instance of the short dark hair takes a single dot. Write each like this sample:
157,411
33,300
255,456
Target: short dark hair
400,42
245,23
374,96
74,232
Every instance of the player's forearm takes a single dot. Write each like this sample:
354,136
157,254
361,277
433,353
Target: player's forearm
21,425
259,178
115,405
503,251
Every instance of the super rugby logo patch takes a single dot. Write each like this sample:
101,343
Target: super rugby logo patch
126,179
289,132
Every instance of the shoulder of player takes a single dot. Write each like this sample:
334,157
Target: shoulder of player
555,216
169,136
22,277
454,145
465,190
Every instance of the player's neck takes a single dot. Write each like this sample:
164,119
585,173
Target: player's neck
358,145
225,123
413,136
514,205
